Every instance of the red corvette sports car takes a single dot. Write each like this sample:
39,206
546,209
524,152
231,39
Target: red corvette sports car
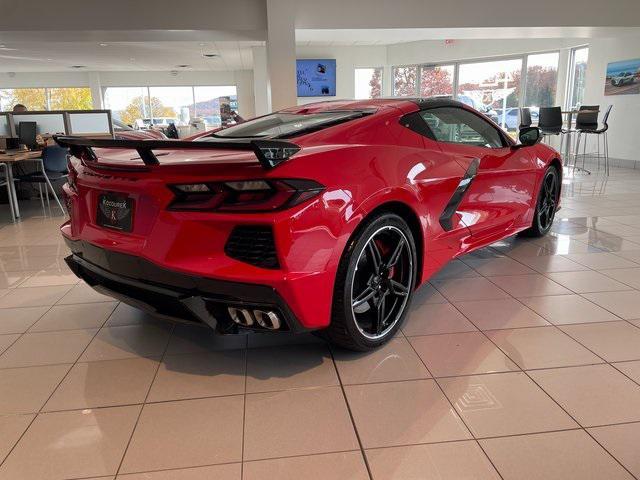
319,217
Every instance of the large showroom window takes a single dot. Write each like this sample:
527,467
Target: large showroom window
577,72
405,81
146,106
492,88
496,87
368,82
436,80
68,98
541,80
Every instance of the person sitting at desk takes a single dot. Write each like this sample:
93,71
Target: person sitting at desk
19,108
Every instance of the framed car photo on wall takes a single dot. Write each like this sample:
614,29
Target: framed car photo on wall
623,78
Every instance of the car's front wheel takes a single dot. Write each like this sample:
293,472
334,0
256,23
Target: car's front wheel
546,204
374,284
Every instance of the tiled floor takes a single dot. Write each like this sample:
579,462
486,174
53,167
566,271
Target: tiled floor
518,361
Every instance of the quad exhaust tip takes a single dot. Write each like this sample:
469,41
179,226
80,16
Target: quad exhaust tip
248,318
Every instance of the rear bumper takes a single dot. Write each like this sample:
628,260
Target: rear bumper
170,294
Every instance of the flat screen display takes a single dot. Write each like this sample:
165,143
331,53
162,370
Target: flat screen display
316,78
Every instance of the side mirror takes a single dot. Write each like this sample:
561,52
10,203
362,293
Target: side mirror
529,136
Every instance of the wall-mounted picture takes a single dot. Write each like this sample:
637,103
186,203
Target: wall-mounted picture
623,78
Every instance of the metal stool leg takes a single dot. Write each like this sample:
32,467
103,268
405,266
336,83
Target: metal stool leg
44,213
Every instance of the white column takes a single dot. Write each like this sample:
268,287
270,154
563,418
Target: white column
246,101
261,92
96,90
281,53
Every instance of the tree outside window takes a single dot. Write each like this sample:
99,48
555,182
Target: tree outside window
69,98
404,81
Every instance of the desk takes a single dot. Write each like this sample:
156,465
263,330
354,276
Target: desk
9,159
567,145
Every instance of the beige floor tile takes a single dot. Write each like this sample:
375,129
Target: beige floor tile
127,315
104,384
613,341
628,276
490,267
633,255
630,369
541,347
283,339
601,261
587,281
50,277
403,413
438,461
18,320
74,317
83,293
29,263
498,314
195,339
46,348
298,422
394,361
623,304
552,263
187,433
199,375
25,390
328,466
567,309
593,395
7,340
13,279
504,404
33,296
455,269
462,289
460,354
529,285
78,444
552,456
128,341
292,366
434,318
11,429
622,442
427,294
230,471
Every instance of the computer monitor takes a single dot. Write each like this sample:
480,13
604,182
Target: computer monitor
27,134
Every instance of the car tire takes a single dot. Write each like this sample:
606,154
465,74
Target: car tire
546,204
374,284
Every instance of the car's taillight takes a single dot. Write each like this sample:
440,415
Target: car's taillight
243,195
72,174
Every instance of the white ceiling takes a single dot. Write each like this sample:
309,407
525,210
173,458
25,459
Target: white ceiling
24,56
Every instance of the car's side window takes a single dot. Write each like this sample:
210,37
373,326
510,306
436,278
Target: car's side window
457,125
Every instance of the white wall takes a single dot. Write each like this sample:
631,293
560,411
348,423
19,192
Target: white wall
624,127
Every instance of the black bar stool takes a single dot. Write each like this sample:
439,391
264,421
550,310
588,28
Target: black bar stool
550,123
587,124
525,117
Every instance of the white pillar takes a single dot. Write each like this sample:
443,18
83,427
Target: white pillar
96,90
281,53
261,92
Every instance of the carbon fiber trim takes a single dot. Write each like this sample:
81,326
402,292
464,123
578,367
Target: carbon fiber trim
449,211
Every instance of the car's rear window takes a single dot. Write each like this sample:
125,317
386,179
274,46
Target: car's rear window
287,124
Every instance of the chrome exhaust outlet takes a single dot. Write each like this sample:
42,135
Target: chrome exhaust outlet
267,319
241,316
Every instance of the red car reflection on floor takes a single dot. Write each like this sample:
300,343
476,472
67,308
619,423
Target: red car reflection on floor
319,217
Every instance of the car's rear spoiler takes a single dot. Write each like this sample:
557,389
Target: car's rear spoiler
270,153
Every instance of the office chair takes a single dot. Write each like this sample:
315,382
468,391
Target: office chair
54,167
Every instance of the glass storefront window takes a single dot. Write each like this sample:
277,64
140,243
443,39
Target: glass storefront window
32,98
405,81
73,98
579,57
436,80
128,104
368,83
542,79
493,88
211,104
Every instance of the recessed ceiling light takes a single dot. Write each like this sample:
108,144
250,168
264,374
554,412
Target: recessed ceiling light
202,44
103,44
49,59
210,55
2,45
